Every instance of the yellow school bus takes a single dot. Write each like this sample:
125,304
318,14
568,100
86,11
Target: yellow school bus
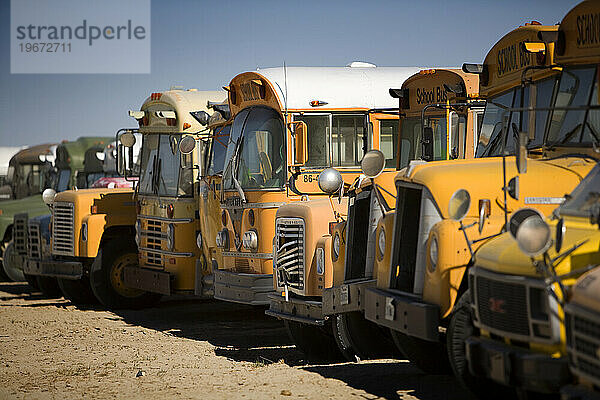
417,291
159,257
288,125
511,319
443,98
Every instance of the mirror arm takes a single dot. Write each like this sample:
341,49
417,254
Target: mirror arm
463,229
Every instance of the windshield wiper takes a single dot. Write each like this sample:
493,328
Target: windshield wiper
231,165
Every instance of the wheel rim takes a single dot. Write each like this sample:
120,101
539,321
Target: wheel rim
116,275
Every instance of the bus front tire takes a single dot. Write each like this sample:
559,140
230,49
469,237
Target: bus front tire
78,291
107,281
460,328
316,342
49,287
361,339
429,357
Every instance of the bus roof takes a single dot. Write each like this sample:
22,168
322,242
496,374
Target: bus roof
579,35
362,87
427,87
71,154
506,62
31,155
183,102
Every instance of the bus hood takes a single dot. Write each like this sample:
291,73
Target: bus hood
543,186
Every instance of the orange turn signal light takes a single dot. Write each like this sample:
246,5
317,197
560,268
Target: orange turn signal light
186,125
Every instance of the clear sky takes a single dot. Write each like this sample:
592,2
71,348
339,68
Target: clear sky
203,44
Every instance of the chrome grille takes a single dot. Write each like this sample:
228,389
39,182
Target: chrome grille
62,229
514,307
20,234
502,305
289,252
583,341
154,236
34,241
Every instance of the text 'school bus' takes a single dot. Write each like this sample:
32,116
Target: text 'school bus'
288,125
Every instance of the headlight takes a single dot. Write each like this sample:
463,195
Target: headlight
170,236
138,232
199,240
433,253
336,246
381,244
320,260
250,240
84,232
222,239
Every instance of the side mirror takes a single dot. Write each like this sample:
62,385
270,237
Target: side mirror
427,143
459,205
48,196
513,188
485,210
372,163
299,134
187,145
330,181
530,231
522,153
127,139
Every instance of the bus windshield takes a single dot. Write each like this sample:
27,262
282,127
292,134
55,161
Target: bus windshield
164,170
411,137
578,87
536,95
585,198
256,150
218,150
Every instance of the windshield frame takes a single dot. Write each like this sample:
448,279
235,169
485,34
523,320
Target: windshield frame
575,196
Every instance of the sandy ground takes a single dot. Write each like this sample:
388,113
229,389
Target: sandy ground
180,349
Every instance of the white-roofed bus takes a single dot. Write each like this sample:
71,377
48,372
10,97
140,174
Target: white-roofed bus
289,124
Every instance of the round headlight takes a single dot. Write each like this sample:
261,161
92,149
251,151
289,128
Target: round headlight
533,236
170,236
381,244
222,239
199,240
336,246
433,253
250,240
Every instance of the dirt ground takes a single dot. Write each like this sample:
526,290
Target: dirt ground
180,349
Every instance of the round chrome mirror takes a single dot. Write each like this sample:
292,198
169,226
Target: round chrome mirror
533,235
127,139
372,163
517,218
187,145
48,196
330,180
459,204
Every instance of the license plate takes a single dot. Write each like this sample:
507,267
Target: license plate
390,309
344,298
497,367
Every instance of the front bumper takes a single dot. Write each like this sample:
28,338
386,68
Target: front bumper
295,309
237,287
147,279
403,313
54,268
578,392
346,298
516,367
